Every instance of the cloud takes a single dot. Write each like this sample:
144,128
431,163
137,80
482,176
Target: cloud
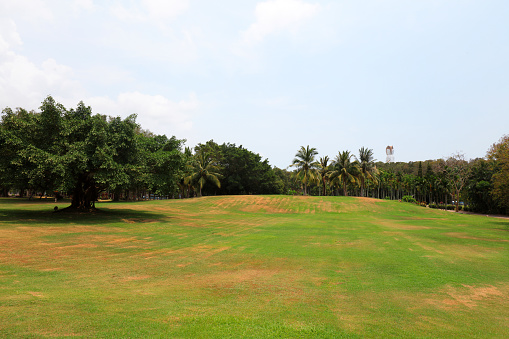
155,11
9,37
155,112
275,16
30,10
87,5
24,83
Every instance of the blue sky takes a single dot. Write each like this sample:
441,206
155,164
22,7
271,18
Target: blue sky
429,77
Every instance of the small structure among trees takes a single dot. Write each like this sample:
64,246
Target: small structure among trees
389,150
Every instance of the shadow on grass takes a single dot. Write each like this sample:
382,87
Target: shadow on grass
105,214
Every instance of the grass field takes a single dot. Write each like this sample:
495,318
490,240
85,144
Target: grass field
252,267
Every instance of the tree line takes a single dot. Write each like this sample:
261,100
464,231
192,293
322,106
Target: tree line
60,151
479,185
72,152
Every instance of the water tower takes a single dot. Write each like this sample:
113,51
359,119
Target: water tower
389,150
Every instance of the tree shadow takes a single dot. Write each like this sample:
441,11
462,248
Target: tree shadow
42,216
500,224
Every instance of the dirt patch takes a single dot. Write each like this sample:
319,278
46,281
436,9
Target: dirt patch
77,246
474,294
466,236
429,248
468,296
410,227
396,225
36,294
134,278
229,279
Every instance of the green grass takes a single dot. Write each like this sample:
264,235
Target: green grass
252,267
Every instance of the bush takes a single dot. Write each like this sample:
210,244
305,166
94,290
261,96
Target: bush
408,198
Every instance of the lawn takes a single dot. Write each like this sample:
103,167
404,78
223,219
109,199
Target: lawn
252,267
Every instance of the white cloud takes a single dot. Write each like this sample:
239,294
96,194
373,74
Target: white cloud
274,16
167,9
155,112
24,83
155,11
87,5
30,10
9,37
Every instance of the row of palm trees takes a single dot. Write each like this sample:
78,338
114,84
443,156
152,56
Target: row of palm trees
346,169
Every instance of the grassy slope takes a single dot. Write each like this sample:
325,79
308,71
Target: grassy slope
271,266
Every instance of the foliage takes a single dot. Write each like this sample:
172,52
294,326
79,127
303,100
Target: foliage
306,165
479,186
408,198
323,173
241,171
244,172
83,154
205,169
345,171
499,153
367,168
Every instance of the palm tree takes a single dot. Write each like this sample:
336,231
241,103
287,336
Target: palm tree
184,183
306,165
344,170
367,167
204,169
323,172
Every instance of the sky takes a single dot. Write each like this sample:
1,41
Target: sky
429,77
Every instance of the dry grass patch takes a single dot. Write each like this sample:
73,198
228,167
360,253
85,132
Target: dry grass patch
466,236
466,296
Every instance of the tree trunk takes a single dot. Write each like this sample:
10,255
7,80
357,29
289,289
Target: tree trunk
84,194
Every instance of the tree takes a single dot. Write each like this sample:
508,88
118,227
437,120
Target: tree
456,170
499,154
76,152
367,167
244,172
306,165
205,170
479,186
344,170
159,165
323,172
184,182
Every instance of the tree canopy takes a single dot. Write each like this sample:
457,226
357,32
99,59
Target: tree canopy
84,154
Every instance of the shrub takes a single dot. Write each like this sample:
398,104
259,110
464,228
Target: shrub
408,198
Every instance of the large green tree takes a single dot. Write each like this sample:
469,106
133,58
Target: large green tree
499,154
80,153
480,186
244,172
306,165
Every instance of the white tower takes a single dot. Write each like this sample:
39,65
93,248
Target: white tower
389,150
